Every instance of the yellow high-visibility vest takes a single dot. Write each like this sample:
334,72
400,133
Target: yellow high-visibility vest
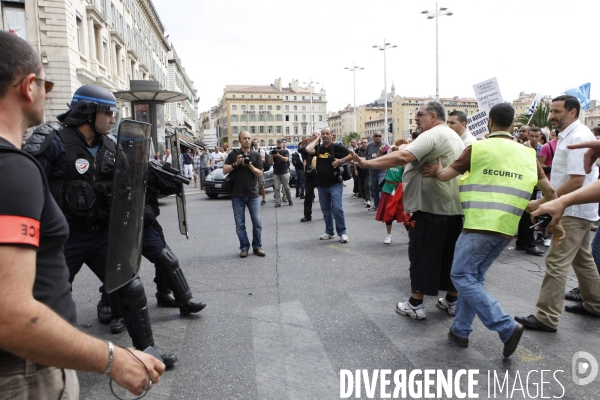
498,187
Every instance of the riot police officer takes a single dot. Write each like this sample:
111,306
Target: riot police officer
78,157
172,287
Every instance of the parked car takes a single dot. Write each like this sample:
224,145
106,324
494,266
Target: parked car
213,185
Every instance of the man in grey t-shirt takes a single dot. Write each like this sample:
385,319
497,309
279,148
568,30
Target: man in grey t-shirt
436,220
375,175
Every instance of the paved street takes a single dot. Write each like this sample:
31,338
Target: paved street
283,326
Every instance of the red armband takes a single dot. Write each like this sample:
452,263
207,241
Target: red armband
19,230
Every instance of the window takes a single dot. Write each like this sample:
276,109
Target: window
252,129
269,129
261,107
286,99
262,143
261,117
279,129
295,130
243,108
252,108
287,130
295,108
294,97
270,117
261,129
234,107
304,130
243,118
251,96
278,108
286,108
320,118
296,138
14,17
234,118
295,118
234,130
243,128
287,118
242,96
278,117
269,107
260,96
303,117
252,118
104,52
235,142
79,33
271,140
303,108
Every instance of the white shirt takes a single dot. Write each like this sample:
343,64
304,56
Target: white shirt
168,159
216,157
468,138
568,162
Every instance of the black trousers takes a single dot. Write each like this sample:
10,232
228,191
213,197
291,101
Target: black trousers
310,183
526,235
432,239
364,186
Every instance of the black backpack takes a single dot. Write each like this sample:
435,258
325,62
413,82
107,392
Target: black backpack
267,162
296,160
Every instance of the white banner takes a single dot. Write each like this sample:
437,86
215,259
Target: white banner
487,94
477,124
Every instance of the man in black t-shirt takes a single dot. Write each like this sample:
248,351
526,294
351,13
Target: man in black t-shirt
245,167
39,346
364,182
330,156
310,177
281,173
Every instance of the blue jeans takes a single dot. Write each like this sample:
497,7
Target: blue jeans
330,199
473,256
375,181
204,171
239,205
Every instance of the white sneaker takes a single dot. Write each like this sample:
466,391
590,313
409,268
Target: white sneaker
326,236
446,305
368,205
388,239
344,238
547,242
405,308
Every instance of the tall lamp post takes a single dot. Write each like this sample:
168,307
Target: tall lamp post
312,128
354,69
439,12
384,48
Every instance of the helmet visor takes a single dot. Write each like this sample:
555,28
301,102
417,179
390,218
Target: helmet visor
107,119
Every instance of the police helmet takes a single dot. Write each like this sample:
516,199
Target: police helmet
87,101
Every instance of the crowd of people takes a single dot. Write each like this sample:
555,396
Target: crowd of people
462,200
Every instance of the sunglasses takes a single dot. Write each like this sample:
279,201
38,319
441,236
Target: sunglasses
47,84
376,135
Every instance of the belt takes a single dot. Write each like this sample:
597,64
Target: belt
391,182
85,228
13,365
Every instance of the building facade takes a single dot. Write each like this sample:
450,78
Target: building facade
99,42
269,112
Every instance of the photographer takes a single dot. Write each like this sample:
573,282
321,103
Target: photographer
310,177
245,167
281,173
330,156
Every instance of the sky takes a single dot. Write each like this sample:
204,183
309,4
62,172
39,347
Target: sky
535,46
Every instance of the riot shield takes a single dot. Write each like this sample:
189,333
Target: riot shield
181,211
127,205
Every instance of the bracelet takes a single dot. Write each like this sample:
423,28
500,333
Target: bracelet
111,353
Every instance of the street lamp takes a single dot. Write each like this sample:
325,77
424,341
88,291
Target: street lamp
384,48
354,69
311,106
431,15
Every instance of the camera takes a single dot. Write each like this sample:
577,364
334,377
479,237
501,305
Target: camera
542,220
274,150
310,170
246,158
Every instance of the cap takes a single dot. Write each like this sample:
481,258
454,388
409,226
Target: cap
279,140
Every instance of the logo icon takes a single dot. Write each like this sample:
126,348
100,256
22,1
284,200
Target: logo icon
82,165
583,363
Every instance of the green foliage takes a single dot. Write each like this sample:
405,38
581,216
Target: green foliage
349,136
540,118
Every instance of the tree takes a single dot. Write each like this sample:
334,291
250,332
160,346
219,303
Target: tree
539,119
349,136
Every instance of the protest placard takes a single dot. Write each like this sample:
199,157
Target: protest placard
478,123
487,94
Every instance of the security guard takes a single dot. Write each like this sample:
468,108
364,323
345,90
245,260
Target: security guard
78,157
499,177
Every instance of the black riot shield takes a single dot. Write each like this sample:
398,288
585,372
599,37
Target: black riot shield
181,211
127,206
